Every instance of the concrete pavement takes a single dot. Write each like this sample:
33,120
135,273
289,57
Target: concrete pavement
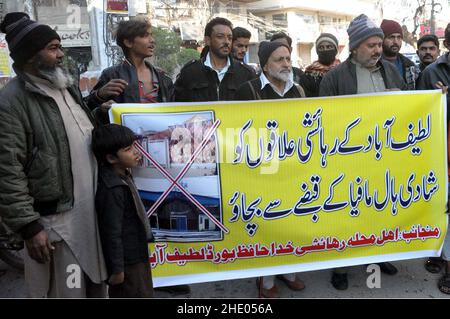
412,281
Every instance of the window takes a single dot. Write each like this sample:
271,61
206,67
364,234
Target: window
280,20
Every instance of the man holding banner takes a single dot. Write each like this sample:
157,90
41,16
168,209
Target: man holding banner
437,75
363,72
275,82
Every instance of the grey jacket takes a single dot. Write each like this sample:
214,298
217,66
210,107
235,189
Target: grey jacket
35,163
342,79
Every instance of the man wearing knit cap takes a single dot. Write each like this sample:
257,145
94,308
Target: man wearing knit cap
327,49
362,72
392,43
299,76
275,82
48,170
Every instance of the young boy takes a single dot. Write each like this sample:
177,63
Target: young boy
123,224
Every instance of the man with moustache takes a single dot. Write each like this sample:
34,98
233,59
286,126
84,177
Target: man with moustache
275,82
47,169
428,52
307,83
392,43
363,72
216,76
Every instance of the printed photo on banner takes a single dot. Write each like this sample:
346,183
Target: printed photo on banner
177,144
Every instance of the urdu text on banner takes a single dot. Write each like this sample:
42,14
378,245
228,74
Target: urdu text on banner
245,189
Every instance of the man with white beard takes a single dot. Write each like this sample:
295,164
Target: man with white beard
48,171
276,80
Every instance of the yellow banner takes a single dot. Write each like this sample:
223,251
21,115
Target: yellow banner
244,189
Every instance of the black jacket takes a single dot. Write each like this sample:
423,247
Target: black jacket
123,236
199,83
127,72
251,90
439,70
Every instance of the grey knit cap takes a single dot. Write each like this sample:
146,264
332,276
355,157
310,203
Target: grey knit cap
362,28
327,37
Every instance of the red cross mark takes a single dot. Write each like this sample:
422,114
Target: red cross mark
180,175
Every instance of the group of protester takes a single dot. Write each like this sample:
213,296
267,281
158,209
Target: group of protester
66,187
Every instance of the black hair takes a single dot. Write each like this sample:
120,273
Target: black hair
239,32
129,30
217,21
447,33
281,35
109,139
428,38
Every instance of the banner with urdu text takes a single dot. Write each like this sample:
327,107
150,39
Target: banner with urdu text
244,189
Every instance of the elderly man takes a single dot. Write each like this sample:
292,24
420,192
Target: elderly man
47,169
275,82
392,43
299,76
362,72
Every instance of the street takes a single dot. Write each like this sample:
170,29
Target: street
412,281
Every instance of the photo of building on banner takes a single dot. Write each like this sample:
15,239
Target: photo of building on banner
171,140
247,189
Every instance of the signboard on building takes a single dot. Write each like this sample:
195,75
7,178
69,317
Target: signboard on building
117,6
74,37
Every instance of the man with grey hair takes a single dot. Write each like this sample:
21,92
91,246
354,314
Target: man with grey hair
48,170
363,72
275,82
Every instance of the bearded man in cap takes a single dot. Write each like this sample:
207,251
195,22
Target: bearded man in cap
362,72
276,82
47,167
392,43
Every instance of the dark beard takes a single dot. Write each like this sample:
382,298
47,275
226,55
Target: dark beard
388,52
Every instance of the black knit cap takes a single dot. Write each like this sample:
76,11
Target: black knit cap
25,37
266,49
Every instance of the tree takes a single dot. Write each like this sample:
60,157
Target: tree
169,55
